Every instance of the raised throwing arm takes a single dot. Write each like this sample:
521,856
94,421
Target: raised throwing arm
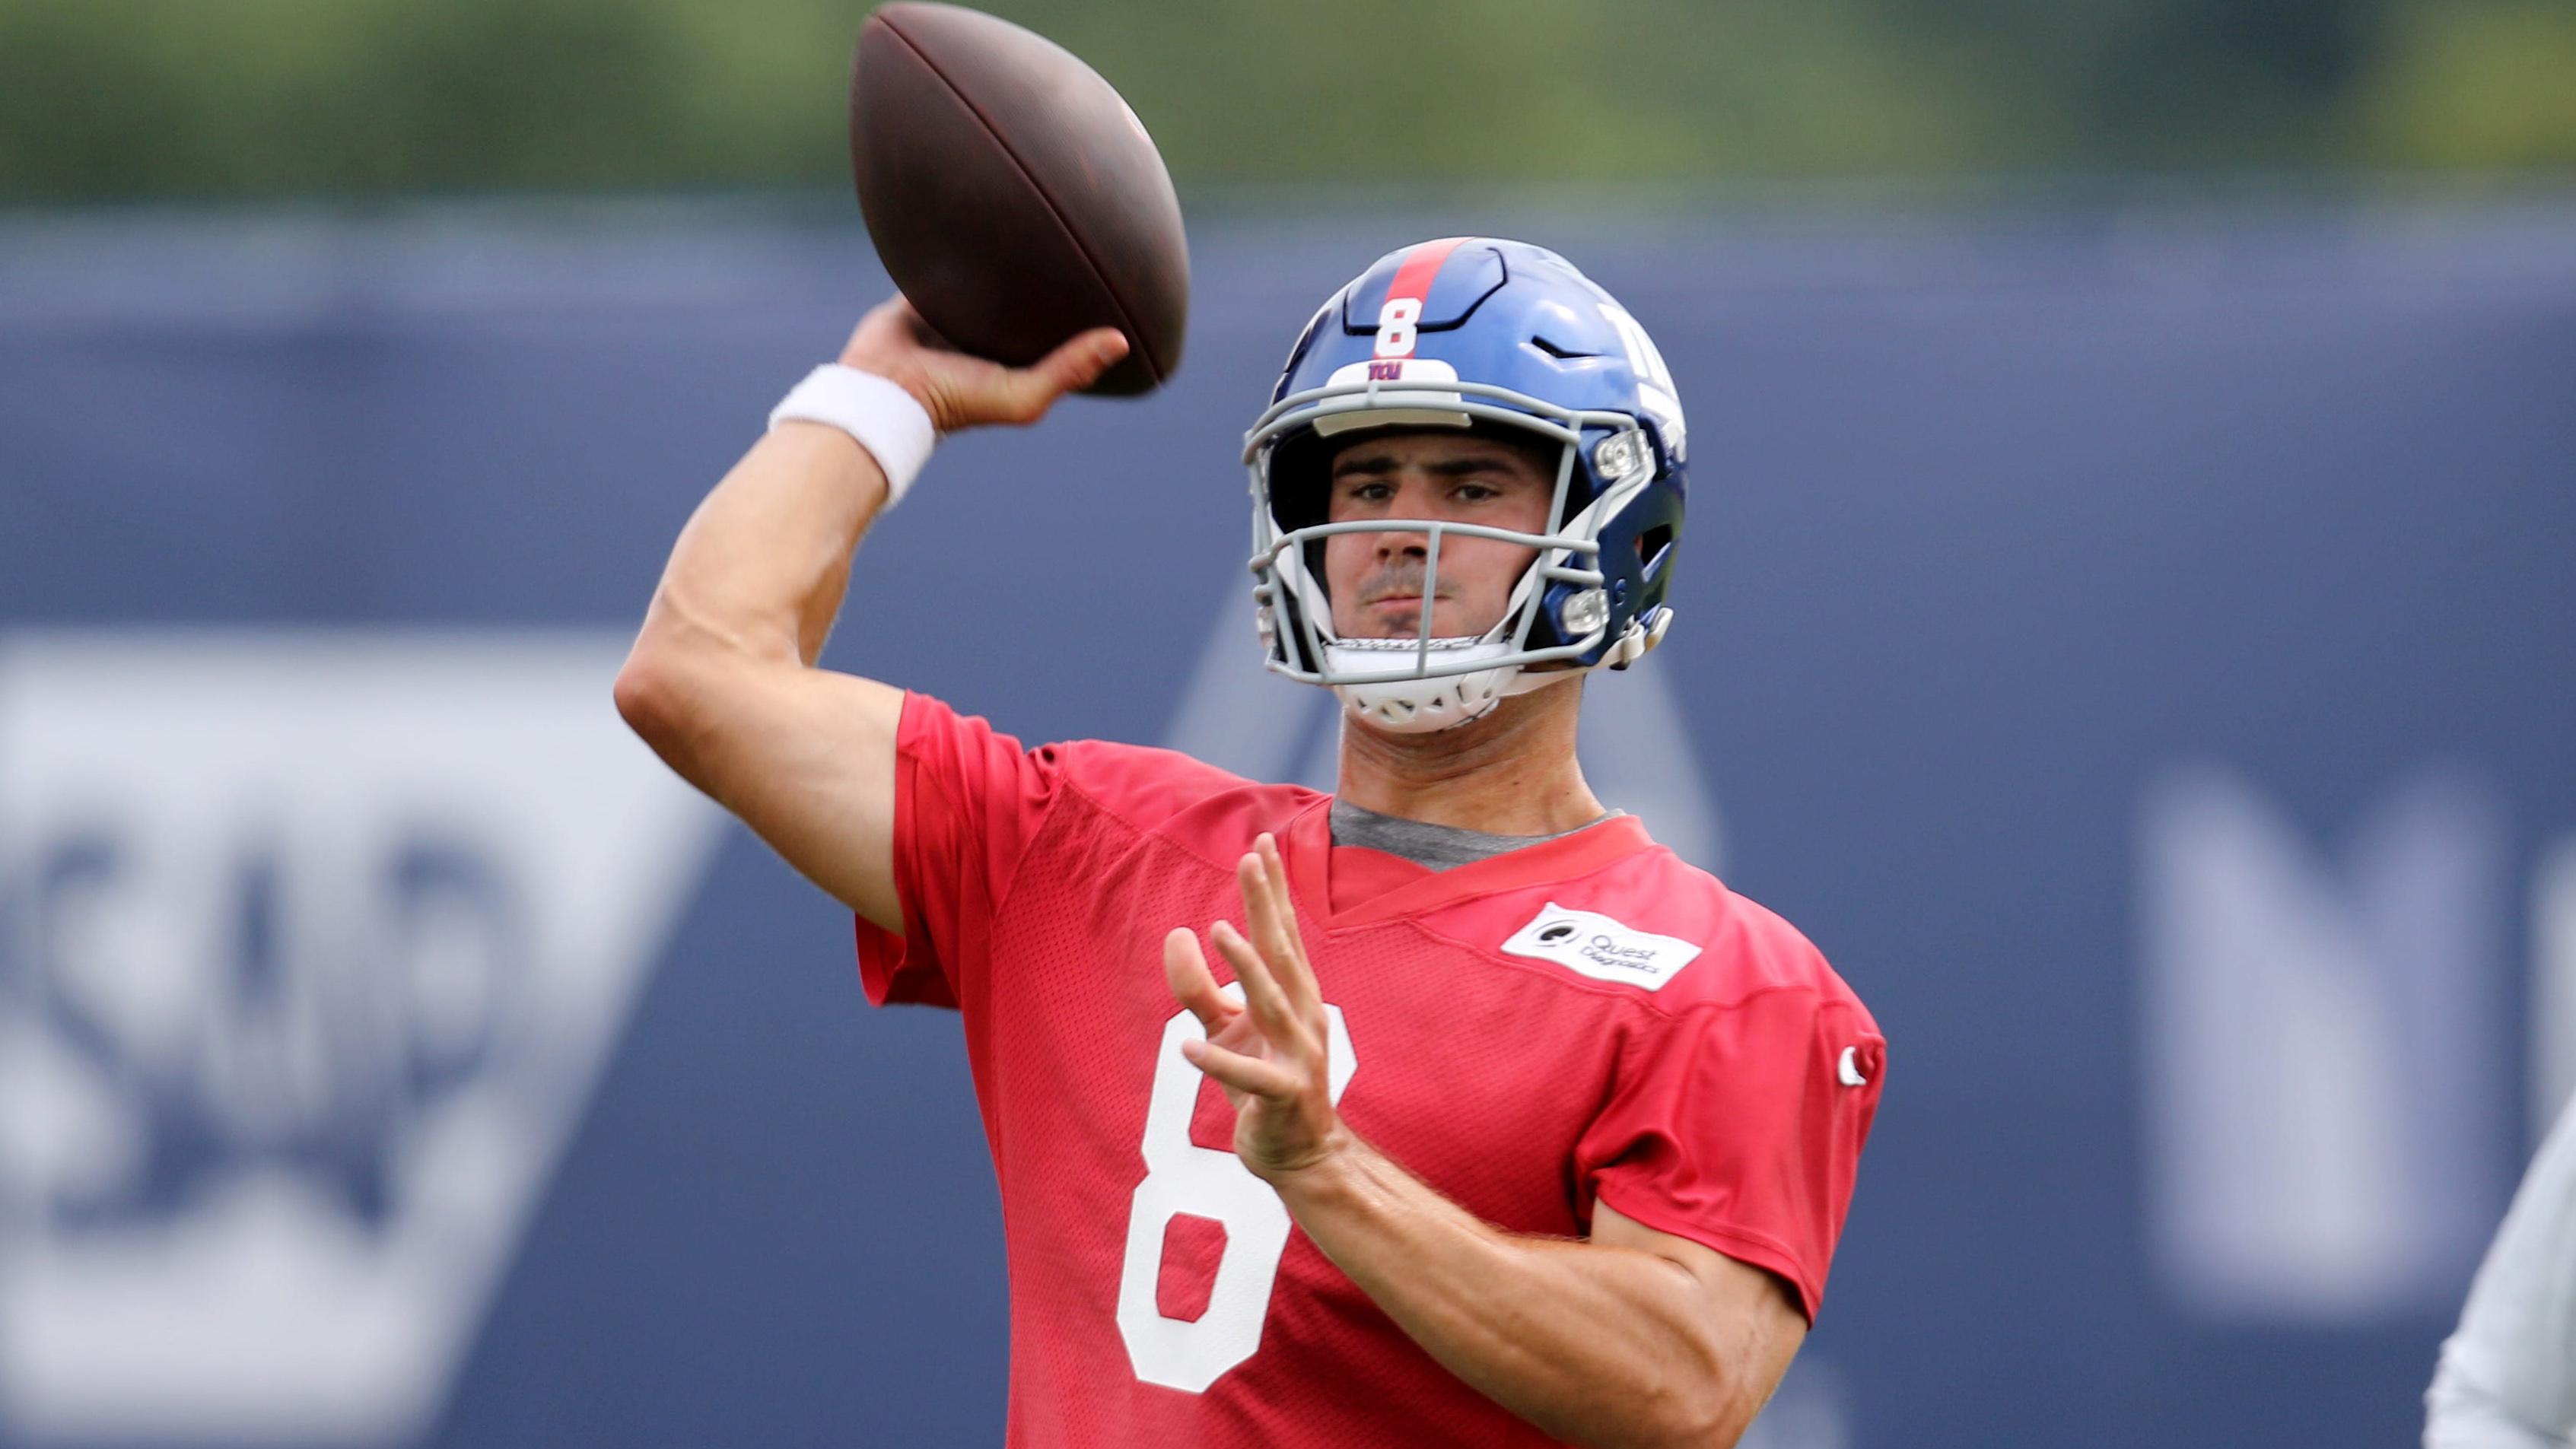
721,682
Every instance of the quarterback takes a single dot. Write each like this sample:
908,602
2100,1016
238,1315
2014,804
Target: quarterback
1448,1108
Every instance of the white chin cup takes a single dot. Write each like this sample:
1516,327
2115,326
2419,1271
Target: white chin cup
1404,705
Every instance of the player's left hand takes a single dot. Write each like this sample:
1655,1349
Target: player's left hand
1270,1051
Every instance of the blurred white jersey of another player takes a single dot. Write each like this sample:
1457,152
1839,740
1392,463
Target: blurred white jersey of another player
2507,1379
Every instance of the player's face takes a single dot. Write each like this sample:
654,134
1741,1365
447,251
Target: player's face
1376,579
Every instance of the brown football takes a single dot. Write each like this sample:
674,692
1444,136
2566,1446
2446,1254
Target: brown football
1012,195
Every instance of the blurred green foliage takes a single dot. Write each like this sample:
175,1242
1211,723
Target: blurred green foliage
105,99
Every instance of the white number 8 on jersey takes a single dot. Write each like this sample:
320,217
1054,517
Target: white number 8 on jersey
1183,1177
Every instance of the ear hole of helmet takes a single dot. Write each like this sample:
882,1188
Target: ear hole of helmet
1654,546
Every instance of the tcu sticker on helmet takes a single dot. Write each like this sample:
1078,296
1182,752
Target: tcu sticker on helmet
1395,369
1601,948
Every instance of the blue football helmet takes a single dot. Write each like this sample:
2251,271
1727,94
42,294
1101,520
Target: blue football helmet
1474,333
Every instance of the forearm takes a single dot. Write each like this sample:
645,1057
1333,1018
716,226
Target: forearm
761,568
720,683
759,572
1600,1345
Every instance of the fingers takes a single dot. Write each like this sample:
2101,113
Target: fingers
1283,906
1272,914
1242,1073
1080,361
1279,991
960,391
891,318
1266,846
918,328
1186,971
1023,395
1262,995
1278,952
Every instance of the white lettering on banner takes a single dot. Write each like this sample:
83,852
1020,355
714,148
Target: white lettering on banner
315,944
2321,1051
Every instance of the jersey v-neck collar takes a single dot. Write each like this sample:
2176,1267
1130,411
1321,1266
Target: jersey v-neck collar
1308,847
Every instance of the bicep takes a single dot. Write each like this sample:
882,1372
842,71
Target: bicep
806,758
1752,1315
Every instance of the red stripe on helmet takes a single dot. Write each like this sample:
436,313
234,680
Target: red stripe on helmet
1413,278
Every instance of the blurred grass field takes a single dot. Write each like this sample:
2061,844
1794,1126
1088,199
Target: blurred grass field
104,100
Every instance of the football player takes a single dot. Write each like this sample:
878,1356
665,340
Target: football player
1446,1108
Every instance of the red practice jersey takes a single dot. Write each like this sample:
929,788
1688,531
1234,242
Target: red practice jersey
1586,1019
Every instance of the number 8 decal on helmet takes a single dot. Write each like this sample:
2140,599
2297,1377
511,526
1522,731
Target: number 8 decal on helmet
1395,323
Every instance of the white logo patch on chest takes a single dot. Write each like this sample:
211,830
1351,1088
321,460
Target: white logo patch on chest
1601,948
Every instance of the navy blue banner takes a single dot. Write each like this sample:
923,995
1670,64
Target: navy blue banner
2134,645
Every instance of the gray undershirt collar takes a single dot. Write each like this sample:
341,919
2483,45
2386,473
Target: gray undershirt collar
1438,847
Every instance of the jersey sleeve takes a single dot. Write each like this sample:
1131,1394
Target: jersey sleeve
967,802
1738,1125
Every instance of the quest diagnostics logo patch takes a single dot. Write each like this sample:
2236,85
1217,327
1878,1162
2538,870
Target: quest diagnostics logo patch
1601,948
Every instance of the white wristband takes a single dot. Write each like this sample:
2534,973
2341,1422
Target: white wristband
886,420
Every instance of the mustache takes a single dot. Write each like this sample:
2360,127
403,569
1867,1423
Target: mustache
1397,578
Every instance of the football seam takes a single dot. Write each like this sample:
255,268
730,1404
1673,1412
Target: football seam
1090,259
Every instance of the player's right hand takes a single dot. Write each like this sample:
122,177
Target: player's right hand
964,392
1272,1054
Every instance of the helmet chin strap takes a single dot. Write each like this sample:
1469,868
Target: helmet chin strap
1407,706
